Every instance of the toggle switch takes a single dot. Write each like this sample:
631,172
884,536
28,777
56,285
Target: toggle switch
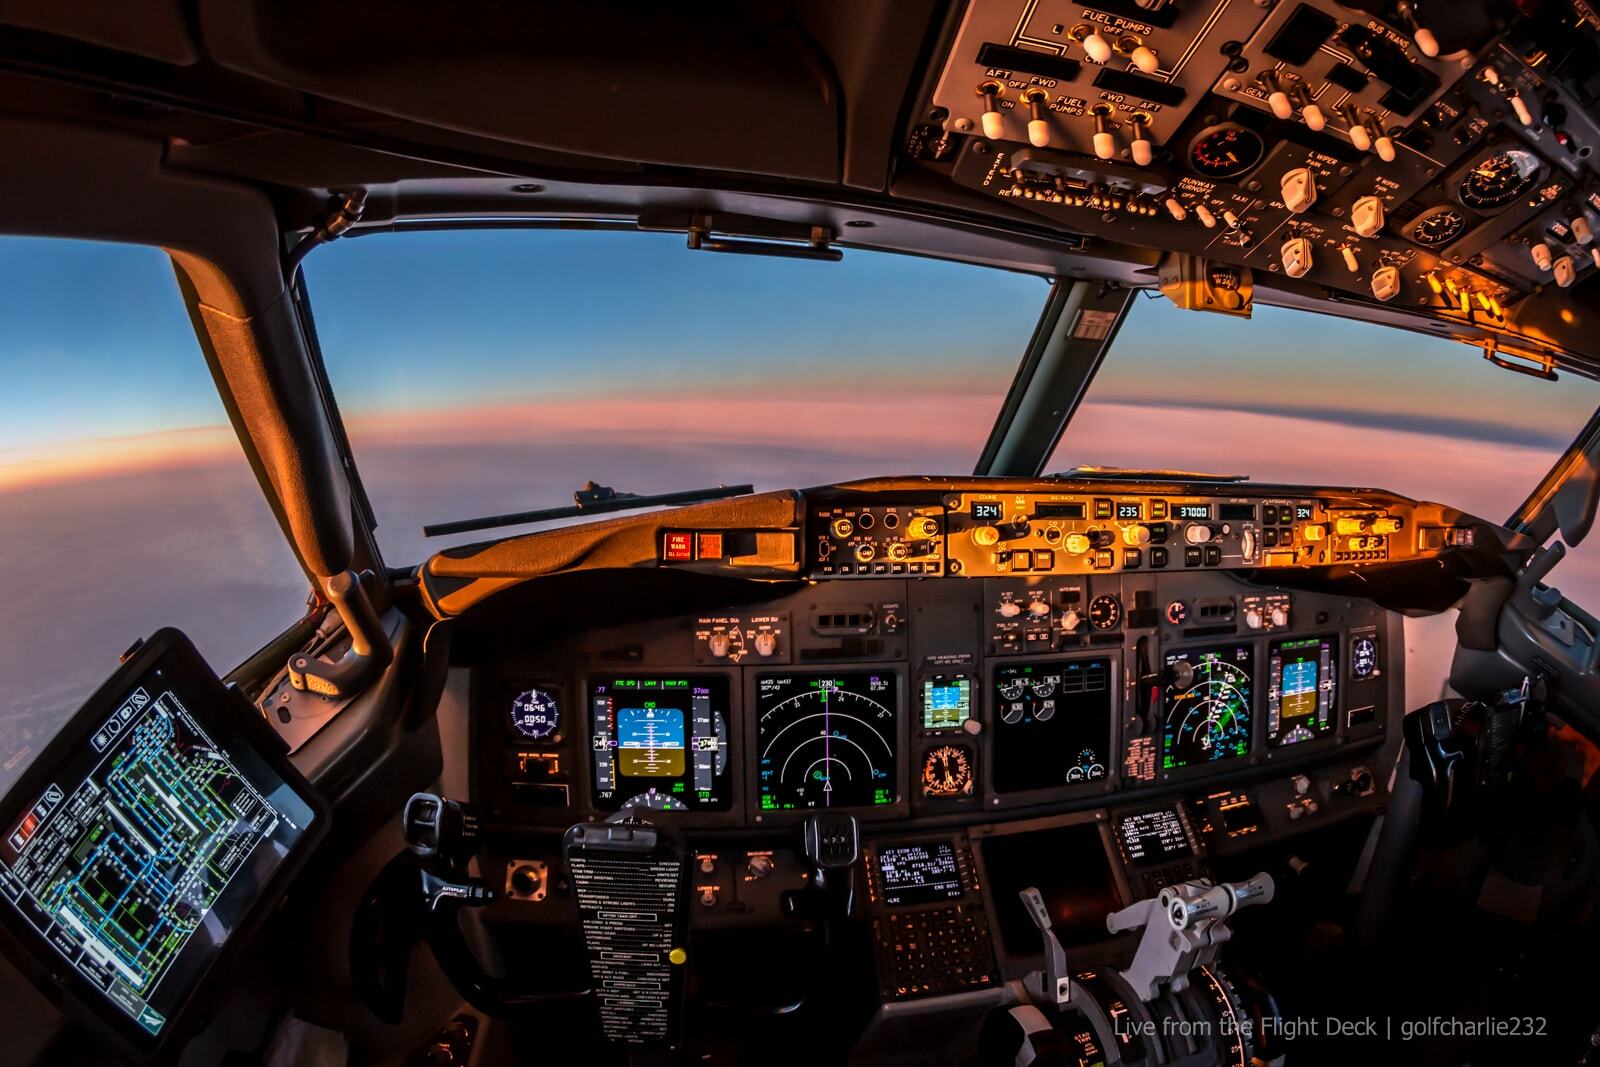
1386,283
1426,42
1176,209
1299,189
1520,106
1296,254
1366,216
1143,151
1360,136
1105,145
1581,231
1594,254
1038,125
1277,99
1096,47
994,124
1207,219
1312,114
1541,255
1351,263
1145,59
1230,219
1383,144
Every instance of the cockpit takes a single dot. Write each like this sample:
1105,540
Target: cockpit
972,534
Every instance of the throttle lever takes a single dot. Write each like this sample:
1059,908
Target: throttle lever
1053,985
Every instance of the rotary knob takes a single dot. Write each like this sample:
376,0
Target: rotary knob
1279,616
718,645
759,865
1077,544
1136,535
986,536
766,643
1038,608
923,526
1010,609
1071,620
1253,618
1198,533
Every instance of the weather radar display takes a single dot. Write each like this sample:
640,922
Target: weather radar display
1205,706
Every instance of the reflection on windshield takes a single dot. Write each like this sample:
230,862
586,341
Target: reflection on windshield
1289,396
485,372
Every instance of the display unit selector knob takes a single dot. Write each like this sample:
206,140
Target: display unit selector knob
1010,609
718,645
1039,608
1279,616
766,643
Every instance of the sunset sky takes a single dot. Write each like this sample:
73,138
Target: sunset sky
490,371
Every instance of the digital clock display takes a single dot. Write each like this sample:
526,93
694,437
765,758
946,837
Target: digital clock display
987,510
1130,511
1192,511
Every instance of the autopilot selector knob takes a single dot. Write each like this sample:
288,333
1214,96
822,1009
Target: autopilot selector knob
1199,533
1136,536
1077,544
986,536
923,527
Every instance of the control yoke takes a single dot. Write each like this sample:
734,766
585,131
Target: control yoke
1184,928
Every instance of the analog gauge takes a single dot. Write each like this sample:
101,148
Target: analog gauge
650,800
947,772
1364,657
1437,226
1012,688
535,714
1226,151
828,741
1105,612
1011,712
1499,179
1045,685
1206,706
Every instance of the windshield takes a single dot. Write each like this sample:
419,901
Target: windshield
1291,396
490,371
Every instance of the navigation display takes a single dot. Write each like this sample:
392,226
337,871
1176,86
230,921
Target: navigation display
919,874
1206,705
1153,837
135,846
827,740
660,743
1301,688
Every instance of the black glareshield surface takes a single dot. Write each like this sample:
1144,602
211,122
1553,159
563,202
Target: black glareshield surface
159,824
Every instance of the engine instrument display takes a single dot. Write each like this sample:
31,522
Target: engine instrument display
947,772
535,714
827,740
1153,837
919,874
1054,723
1206,705
946,702
660,743
1301,689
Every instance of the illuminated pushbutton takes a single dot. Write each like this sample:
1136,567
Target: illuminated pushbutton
842,528
1077,544
866,553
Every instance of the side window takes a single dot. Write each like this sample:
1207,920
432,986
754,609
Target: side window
126,503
